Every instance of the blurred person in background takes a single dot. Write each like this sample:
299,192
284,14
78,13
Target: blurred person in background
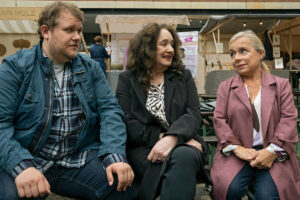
99,53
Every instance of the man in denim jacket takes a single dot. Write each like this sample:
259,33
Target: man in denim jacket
61,128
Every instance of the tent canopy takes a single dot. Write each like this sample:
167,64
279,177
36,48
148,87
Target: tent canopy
19,19
286,25
134,23
18,26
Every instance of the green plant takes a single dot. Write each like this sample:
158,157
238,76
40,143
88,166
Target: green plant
116,67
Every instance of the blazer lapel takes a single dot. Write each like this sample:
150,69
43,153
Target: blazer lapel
169,91
139,90
142,97
239,90
267,99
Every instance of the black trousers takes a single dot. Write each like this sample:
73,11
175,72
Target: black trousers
174,179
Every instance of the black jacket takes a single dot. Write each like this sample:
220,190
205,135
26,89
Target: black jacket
182,110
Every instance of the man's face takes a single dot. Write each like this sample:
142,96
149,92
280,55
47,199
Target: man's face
61,44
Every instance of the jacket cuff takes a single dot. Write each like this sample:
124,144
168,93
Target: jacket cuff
21,167
274,149
113,158
227,151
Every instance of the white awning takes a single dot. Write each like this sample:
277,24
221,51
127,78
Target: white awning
18,26
134,23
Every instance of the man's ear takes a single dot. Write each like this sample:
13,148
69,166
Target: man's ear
45,31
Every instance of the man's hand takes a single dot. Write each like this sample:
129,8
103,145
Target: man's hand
195,143
32,183
245,153
264,159
162,148
124,172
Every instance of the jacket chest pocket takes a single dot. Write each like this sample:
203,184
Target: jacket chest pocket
90,97
29,109
86,86
31,96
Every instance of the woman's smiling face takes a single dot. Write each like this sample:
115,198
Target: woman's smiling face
164,49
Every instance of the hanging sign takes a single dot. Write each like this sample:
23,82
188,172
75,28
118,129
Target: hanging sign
190,45
19,13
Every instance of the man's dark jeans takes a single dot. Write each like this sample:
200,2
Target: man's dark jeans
88,182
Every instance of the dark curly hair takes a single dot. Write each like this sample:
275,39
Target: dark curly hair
51,13
142,52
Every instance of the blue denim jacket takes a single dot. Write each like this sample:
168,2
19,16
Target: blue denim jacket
26,92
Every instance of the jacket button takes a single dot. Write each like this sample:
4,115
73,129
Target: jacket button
29,96
91,96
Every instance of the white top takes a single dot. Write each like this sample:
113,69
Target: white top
58,72
257,136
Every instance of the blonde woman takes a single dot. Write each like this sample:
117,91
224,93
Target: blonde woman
255,122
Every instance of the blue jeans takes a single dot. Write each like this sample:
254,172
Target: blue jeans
264,185
88,182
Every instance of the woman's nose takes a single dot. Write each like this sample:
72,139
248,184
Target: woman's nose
170,48
237,56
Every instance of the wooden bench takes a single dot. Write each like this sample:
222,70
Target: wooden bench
212,142
206,122
298,130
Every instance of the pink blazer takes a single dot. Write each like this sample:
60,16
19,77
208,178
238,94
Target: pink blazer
233,125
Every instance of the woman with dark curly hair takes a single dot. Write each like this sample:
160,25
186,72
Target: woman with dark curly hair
162,114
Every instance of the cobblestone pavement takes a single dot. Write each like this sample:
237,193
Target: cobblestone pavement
201,193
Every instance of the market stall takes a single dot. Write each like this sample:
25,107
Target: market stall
278,34
18,29
119,29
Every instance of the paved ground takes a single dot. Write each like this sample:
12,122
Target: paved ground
201,193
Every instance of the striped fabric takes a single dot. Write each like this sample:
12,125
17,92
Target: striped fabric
155,103
18,26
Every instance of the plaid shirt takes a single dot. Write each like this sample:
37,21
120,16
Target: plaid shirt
67,121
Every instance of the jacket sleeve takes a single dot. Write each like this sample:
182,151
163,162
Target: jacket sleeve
189,122
11,152
106,55
286,131
140,133
112,126
222,129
